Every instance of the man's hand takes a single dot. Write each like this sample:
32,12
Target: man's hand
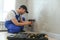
28,23
20,23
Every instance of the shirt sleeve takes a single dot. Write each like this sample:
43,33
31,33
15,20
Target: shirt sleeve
10,15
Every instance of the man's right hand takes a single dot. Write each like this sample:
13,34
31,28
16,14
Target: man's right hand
21,23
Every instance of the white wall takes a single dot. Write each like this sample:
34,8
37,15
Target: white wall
53,24
38,12
20,2
46,13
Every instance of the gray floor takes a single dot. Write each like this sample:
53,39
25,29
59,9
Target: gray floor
3,36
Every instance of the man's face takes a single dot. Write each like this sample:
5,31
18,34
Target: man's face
22,11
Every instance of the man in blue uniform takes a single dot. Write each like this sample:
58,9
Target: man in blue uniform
14,20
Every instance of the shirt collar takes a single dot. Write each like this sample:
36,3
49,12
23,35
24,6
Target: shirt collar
17,13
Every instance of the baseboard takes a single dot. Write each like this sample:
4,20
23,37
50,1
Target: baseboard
3,30
53,35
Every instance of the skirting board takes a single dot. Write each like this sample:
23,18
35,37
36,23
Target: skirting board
53,35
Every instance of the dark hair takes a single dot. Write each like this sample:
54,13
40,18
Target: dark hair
24,7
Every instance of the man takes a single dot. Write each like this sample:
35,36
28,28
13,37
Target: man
15,22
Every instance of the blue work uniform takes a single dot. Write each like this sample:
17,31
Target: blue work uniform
12,28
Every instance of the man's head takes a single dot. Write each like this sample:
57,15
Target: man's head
22,9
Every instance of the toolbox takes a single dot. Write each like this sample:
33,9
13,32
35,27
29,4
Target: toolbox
27,36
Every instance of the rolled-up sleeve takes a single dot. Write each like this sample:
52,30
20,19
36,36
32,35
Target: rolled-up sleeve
10,15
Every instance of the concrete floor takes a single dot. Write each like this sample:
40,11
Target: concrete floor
3,36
